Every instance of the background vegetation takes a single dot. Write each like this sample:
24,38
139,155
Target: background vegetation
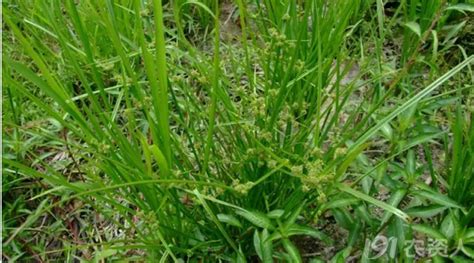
206,131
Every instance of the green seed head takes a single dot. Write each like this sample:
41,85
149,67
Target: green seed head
297,170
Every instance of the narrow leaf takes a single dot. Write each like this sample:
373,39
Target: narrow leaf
229,219
307,231
374,201
438,198
257,218
267,247
428,230
462,7
414,27
395,200
161,160
292,251
257,244
277,213
425,211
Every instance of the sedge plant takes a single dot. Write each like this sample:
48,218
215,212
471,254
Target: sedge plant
185,145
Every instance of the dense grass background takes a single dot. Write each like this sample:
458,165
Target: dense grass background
207,131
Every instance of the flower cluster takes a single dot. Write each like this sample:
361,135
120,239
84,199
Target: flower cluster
258,107
339,152
279,37
313,177
242,188
122,80
299,65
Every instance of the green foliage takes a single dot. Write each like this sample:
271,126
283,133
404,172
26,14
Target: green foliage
236,131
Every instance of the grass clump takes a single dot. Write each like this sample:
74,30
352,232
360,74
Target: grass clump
237,131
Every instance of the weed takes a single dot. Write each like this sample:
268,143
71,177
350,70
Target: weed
237,131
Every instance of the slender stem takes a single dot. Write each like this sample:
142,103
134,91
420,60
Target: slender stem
163,112
215,85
